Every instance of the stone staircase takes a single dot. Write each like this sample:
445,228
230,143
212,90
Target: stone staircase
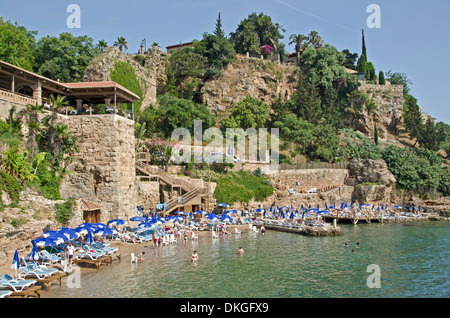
190,190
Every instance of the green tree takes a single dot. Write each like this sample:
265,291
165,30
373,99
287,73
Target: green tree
17,45
364,50
102,45
185,74
381,78
218,31
301,43
375,135
247,113
350,59
255,31
121,43
218,51
173,112
65,57
315,40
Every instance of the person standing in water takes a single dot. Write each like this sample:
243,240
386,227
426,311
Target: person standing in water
240,251
194,257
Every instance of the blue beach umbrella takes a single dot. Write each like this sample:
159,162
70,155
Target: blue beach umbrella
71,234
181,213
243,213
211,216
296,184
200,212
137,218
44,241
104,231
282,215
117,222
34,253
50,232
224,205
89,238
419,208
139,209
191,216
292,215
15,262
58,238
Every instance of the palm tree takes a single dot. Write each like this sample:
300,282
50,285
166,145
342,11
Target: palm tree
300,42
57,105
102,45
31,117
121,43
315,40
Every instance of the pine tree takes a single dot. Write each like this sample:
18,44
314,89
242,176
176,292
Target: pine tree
219,31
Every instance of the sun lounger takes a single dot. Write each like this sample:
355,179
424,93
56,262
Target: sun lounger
17,285
28,272
43,269
106,248
51,257
5,293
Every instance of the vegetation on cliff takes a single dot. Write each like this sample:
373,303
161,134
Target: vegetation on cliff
317,122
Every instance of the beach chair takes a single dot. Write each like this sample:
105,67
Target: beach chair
88,254
5,293
106,248
172,239
164,240
51,257
41,268
28,272
7,281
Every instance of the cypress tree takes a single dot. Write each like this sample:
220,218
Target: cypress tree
219,31
364,51
375,135
382,81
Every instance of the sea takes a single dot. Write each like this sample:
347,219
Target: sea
393,260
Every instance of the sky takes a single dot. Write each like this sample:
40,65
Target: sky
412,37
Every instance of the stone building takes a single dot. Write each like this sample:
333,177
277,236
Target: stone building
103,172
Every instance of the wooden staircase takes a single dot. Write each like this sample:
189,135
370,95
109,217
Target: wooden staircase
190,190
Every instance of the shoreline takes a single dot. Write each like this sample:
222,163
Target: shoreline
125,250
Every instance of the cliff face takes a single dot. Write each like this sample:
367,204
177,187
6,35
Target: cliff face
253,77
388,113
150,72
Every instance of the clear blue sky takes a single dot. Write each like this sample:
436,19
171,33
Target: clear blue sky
414,37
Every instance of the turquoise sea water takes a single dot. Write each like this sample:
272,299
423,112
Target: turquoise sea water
413,260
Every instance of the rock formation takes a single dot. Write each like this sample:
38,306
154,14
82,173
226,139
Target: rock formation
372,180
253,77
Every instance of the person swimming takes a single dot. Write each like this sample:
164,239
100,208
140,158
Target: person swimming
240,251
